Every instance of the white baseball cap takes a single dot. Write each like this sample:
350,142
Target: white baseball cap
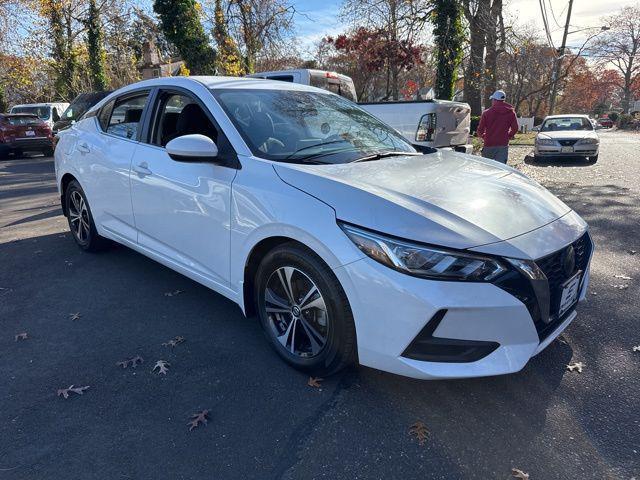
498,95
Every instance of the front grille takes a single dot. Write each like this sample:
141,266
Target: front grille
552,266
567,143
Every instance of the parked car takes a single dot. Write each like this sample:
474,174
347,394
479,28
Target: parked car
298,205
605,122
47,112
425,123
23,132
567,136
77,108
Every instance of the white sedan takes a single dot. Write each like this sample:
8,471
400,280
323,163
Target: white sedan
567,136
306,210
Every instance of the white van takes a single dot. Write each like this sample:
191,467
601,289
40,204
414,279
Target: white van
332,81
48,112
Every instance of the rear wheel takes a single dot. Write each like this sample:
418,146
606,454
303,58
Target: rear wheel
593,159
304,311
48,152
80,220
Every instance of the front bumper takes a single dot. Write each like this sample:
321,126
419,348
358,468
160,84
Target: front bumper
28,144
392,309
586,150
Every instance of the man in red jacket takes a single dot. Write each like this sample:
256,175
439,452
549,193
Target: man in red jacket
498,125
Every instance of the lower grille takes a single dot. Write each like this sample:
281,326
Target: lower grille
555,269
567,143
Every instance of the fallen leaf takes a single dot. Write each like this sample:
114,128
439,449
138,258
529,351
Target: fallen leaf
175,341
620,287
315,382
419,430
134,361
632,252
162,366
623,277
575,366
517,473
74,316
21,336
197,419
66,391
636,348
172,294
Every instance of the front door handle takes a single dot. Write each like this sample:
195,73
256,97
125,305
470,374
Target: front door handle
83,147
142,169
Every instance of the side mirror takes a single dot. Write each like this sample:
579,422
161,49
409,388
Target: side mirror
536,128
192,148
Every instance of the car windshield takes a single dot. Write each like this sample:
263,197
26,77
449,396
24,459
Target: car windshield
19,120
299,126
43,112
566,123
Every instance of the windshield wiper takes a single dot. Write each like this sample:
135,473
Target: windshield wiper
313,146
379,155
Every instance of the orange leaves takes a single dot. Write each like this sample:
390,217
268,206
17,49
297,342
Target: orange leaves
64,392
198,419
314,382
162,367
173,342
134,362
419,431
21,336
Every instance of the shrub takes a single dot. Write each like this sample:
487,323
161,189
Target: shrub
613,116
475,120
626,121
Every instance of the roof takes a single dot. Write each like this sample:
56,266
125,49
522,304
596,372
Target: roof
580,115
211,82
47,104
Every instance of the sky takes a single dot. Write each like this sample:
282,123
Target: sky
318,18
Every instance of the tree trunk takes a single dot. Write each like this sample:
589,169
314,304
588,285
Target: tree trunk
491,57
475,68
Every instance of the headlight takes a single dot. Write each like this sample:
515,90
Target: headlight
423,261
545,141
588,141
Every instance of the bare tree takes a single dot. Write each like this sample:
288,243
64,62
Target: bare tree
400,20
620,47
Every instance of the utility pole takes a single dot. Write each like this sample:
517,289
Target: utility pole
558,62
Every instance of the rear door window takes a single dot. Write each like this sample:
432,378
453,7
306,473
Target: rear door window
126,117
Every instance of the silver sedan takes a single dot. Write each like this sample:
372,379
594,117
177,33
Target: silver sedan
567,136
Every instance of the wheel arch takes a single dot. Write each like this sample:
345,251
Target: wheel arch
66,179
252,263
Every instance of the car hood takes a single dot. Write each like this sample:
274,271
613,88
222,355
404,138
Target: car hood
569,134
444,198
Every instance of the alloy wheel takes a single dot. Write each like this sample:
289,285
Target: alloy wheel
296,312
79,217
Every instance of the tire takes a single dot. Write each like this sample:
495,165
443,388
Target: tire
536,158
593,159
17,153
48,152
320,340
82,226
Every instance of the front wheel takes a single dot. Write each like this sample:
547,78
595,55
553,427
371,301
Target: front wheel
81,221
304,311
593,159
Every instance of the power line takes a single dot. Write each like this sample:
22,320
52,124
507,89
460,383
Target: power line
545,22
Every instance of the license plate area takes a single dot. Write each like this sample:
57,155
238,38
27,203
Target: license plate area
567,150
570,292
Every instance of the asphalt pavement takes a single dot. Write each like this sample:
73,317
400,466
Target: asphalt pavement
264,421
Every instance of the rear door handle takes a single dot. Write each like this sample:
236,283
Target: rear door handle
83,147
142,169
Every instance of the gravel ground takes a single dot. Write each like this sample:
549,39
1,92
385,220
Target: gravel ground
264,421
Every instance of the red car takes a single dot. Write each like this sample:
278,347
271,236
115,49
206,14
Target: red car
605,123
21,132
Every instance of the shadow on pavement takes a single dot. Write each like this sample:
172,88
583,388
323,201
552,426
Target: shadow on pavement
559,162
